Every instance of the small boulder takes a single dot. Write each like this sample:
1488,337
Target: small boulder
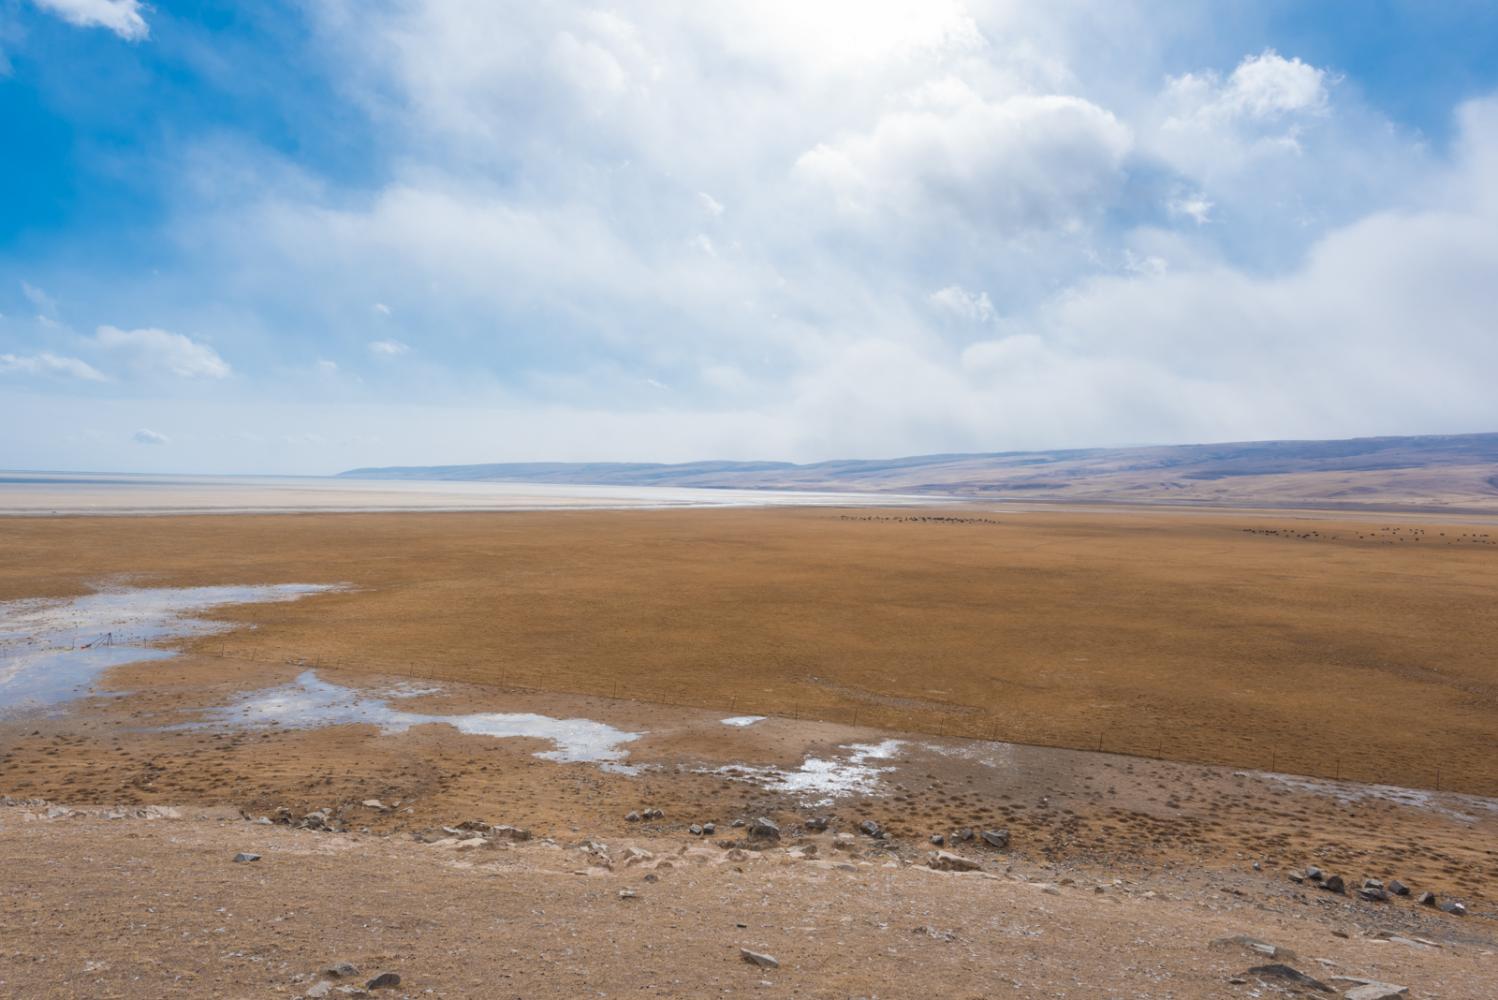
817,824
764,828
245,856
1377,991
938,839
1397,887
384,981
341,970
1334,883
1280,972
1426,899
1454,908
871,828
998,839
759,958
708,829
631,817
945,861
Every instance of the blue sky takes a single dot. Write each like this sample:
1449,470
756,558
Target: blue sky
299,237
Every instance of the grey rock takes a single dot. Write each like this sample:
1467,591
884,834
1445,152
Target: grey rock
384,981
1283,973
654,814
938,839
817,824
736,823
1426,899
1314,874
341,970
764,828
708,829
759,958
1397,887
244,856
1254,945
695,829
871,828
319,990
1454,908
945,861
632,817
1334,883
1373,895
1367,989
996,838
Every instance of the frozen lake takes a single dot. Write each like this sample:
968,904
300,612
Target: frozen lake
70,493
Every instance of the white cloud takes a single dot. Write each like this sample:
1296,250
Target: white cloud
50,364
157,352
1017,163
44,303
1262,87
146,436
388,348
712,205
966,305
123,17
382,309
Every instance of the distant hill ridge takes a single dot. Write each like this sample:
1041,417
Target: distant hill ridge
1459,470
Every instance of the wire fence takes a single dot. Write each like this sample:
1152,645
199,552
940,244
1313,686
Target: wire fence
1168,742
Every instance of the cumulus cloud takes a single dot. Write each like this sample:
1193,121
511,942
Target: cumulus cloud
46,363
147,436
388,348
1263,87
966,305
123,17
158,352
1029,161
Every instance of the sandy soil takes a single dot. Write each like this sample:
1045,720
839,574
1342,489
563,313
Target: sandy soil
1327,646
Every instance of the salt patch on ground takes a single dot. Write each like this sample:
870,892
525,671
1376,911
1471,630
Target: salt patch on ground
1451,804
310,702
52,649
819,781
743,720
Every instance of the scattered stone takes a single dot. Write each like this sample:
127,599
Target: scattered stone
245,856
1285,973
263,821
1426,899
1371,989
342,970
757,958
654,814
843,841
1297,878
964,835
872,829
998,839
1334,883
627,894
938,839
737,823
1374,895
945,861
1398,888
1254,945
514,833
375,804
1454,908
1372,883
764,828
319,990
632,817
708,829
1314,874
384,981
695,829
817,824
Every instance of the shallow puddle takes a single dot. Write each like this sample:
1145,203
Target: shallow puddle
310,702
52,650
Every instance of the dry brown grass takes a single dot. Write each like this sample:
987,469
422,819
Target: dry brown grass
1157,633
